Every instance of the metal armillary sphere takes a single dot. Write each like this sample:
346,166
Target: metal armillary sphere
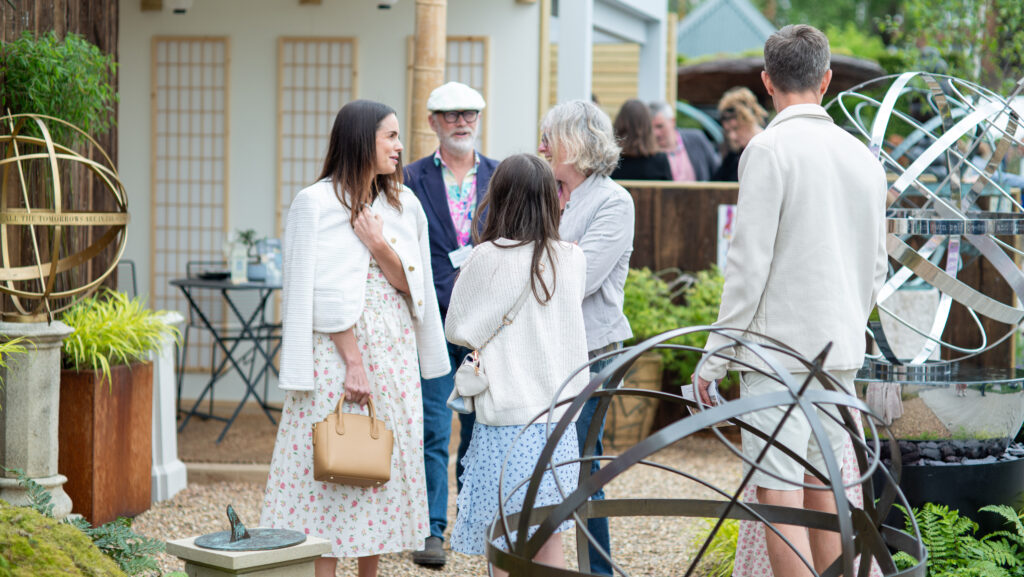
866,541
945,140
41,279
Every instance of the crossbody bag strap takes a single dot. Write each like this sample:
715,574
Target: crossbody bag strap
509,316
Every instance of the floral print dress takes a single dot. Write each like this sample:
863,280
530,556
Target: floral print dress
358,521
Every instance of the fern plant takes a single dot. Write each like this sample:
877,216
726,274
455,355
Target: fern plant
953,550
110,330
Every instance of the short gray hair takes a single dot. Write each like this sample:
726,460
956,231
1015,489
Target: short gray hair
584,131
663,108
796,58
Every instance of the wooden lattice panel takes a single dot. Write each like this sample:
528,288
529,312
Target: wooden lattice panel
189,181
466,60
315,78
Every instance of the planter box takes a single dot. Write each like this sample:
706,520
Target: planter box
965,488
105,436
630,418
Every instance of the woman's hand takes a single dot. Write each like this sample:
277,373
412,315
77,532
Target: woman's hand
369,228
357,385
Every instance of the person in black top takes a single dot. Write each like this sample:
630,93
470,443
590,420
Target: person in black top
641,158
741,117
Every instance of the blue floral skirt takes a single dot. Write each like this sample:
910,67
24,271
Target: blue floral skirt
478,500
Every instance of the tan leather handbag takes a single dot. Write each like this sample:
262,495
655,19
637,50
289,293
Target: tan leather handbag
352,449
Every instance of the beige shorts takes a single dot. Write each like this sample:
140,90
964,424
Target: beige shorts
795,434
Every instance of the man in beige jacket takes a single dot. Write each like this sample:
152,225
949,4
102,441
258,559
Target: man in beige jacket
805,265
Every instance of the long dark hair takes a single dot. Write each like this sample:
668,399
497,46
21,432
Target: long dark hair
633,129
522,205
352,156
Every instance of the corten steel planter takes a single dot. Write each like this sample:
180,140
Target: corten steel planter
105,436
629,419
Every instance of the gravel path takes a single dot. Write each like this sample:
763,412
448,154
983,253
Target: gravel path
644,546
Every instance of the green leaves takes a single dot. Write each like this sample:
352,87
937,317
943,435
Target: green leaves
110,330
649,306
69,79
953,551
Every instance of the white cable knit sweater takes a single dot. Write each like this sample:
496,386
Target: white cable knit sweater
529,359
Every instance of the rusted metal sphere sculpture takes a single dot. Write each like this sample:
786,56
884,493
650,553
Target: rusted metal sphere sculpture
863,534
44,263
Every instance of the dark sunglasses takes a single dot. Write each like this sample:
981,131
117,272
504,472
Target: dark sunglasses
728,114
452,116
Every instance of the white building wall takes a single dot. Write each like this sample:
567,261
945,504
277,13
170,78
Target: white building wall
253,27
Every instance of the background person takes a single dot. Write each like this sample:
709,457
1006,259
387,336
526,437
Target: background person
450,183
690,154
805,265
527,361
641,158
355,247
577,140
742,118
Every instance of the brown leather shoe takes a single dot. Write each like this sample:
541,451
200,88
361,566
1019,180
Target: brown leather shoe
432,555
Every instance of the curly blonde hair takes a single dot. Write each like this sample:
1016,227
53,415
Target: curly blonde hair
744,104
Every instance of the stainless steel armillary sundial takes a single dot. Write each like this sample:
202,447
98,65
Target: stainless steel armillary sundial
50,270
946,140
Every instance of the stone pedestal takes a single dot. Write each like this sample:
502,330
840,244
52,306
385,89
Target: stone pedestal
295,561
28,420
169,474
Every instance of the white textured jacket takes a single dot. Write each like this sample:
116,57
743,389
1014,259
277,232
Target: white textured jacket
808,254
325,268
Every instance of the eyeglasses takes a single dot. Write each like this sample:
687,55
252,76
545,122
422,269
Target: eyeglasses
452,116
728,114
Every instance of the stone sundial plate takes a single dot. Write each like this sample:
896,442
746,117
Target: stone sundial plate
259,540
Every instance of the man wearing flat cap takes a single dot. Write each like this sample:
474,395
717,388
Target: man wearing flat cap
450,183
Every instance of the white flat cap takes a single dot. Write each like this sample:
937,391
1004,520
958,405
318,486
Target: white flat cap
455,96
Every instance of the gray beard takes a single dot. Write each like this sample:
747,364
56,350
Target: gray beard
458,147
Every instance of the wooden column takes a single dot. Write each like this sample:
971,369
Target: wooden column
544,62
427,71
671,60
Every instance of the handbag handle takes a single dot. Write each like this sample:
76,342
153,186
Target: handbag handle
374,423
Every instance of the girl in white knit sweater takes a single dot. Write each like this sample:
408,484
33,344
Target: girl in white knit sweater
526,361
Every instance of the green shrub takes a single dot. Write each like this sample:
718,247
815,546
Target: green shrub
131,552
33,545
69,79
720,556
649,305
111,329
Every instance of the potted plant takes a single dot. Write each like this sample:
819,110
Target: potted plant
106,404
648,306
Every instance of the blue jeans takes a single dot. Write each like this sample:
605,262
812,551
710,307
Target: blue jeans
437,431
598,526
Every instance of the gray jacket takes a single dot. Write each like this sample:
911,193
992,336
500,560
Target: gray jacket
599,218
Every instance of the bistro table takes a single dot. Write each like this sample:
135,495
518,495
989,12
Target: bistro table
252,329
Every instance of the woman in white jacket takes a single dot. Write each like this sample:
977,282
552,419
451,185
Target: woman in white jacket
360,320
525,363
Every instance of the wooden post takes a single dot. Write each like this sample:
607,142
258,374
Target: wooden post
544,64
427,71
671,64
